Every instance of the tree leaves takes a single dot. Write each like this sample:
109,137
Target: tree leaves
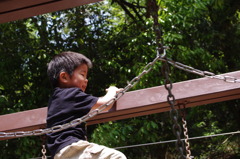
200,33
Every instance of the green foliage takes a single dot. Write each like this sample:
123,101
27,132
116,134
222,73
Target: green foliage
142,130
120,40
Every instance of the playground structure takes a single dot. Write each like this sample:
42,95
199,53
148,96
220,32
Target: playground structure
20,9
135,103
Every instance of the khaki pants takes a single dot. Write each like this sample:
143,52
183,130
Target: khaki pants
85,150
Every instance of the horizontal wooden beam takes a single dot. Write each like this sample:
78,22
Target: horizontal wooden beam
140,102
154,100
12,10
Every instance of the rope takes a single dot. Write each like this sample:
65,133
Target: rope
169,141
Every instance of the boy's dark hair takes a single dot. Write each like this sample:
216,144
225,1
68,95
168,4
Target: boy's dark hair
65,62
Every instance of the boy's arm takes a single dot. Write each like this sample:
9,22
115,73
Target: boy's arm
111,92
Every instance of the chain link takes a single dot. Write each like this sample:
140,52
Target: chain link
208,74
185,130
44,151
91,114
170,98
173,112
165,71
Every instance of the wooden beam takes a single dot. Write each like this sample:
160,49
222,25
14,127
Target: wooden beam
12,10
138,103
154,100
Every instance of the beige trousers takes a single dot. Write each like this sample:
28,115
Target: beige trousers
85,150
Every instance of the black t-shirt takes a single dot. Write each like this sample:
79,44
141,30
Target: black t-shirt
65,105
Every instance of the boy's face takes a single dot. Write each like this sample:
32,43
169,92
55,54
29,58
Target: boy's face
79,77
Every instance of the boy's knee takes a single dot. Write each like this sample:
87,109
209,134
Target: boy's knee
120,155
123,156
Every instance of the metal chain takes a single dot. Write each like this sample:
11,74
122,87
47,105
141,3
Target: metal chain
173,112
156,25
187,144
185,131
165,71
44,152
91,114
147,68
200,72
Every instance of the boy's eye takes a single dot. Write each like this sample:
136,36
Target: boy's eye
83,75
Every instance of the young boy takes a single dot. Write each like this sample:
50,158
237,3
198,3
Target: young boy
68,75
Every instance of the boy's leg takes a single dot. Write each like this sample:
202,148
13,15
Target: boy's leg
103,152
86,150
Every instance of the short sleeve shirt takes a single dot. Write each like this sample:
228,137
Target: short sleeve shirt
65,105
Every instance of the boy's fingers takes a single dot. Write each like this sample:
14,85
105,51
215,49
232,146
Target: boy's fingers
117,89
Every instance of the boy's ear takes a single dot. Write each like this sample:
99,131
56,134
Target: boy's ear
63,77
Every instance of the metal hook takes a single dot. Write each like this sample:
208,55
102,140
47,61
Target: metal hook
164,52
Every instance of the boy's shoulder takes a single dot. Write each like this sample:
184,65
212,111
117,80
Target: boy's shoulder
67,90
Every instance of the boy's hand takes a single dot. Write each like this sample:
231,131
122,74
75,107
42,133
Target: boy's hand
114,89
111,92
